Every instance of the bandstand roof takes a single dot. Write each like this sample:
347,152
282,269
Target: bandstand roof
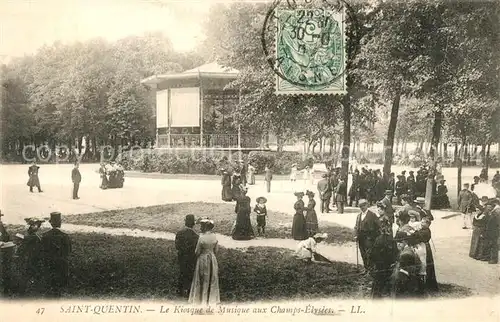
210,71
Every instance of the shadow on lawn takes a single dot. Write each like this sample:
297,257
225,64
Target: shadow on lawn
170,218
105,266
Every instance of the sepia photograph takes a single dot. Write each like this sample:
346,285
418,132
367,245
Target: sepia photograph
278,159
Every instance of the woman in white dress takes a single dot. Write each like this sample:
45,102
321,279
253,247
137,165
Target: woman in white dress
307,248
205,286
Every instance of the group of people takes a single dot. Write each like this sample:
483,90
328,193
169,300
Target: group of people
34,180
484,241
112,175
401,262
198,267
33,263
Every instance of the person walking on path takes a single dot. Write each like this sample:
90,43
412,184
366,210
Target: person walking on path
251,174
268,178
226,194
56,248
367,229
205,285
311,217
185,243
243,228
76,177
34,180
466,206
341,195
299,231
325,193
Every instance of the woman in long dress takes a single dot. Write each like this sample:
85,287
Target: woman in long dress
478,241
236,189
227,194
299,231
243,227
205,285
311,217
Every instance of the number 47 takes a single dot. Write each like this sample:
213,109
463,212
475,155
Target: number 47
40,310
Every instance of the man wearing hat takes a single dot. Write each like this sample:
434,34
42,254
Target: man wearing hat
367,229
243,172
268,178
325,193
185,243
341,195
34,181
29,255
56,248
76,177
400,188
387,203
465,204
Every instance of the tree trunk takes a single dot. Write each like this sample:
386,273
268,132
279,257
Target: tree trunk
445,150
331,146
391,132
487,160
346,137
436,136
455,153
459,166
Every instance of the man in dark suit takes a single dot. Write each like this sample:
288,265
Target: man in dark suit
325,193
466,206
388,209
34,181
56,248
268,178
76,177
367,229
341,195
185,243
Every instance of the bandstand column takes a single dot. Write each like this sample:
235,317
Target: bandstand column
201,112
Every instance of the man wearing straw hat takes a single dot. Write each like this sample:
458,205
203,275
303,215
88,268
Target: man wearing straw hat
56,247
367,229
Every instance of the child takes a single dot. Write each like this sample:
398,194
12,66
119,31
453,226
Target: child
261,211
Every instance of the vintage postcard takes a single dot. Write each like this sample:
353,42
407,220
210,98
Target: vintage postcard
311,160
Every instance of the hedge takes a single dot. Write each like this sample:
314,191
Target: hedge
209,161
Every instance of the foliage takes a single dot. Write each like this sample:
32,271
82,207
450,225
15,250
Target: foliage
153,218
86,92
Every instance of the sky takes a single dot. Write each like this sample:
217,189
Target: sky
26,25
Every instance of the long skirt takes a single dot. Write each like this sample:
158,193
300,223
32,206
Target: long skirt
205,285
299,231
243,227
476,244
311,222
431,284
227,194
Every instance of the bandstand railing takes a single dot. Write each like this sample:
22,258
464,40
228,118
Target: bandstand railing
225,141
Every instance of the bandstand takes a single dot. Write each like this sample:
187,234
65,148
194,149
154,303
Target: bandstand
193,110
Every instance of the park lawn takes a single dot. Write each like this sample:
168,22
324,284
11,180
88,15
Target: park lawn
111,267
170,218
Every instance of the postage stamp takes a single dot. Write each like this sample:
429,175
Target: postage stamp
310,51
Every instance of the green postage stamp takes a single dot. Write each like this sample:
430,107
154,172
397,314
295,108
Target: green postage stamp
310,52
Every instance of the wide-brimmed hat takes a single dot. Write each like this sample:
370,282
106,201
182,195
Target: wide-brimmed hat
492,202
34,221
309,193
299,194
388,192
381,205
420,200
7,245
261,199
206,221
362,202
321,235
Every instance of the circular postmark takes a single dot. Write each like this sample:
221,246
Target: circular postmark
304,43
